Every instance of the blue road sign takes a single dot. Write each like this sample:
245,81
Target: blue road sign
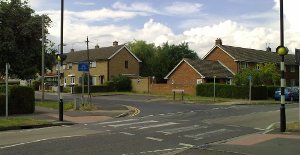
83,66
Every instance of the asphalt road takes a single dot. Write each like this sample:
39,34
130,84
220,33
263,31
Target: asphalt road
161,127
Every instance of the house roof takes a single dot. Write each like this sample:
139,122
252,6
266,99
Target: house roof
253,55
206,68
103,53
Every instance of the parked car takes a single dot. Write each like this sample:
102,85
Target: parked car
291,94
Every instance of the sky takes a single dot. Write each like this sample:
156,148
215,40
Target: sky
243,23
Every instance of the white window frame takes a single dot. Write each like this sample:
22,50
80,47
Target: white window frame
69,66
93,64
257,66
244,65
72,80
293,69
94,80
199,81
293,82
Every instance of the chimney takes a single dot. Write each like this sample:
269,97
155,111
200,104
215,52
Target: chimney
97,46
115,43
269,49
72,50
218,41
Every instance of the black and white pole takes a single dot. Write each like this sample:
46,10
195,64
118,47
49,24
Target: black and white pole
61,103
282,51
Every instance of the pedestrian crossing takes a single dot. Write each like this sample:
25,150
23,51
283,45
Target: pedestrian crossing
159,129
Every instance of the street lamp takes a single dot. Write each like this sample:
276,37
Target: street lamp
61,103
282,51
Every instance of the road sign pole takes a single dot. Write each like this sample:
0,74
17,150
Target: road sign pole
6,87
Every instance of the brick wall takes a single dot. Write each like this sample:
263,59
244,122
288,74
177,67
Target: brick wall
218,54
184,74
117,64
167,88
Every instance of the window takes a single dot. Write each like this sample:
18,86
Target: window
65,81
244,65
126,64
93,64
257,66
72,81
293,82
199,81
69,66
293,69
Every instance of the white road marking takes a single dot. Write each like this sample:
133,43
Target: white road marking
127,133
155,139
112,122
201,135
187,145
182,129
158,125
161,114
39,140
127,124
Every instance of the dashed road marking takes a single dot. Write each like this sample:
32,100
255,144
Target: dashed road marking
133,123
182,129
155,139
127,133
112,122
158,125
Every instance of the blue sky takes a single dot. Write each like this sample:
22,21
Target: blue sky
244,23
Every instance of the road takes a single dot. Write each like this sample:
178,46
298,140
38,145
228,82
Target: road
161,127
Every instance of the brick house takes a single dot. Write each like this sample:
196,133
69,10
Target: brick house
238,58
193,72
105,62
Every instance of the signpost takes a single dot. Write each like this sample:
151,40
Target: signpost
83,67
297,55
250,83
6,84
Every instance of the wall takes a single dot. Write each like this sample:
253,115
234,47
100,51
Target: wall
117,64
218,54
184,74
140,85
167,88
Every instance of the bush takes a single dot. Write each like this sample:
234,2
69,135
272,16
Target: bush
2,104
120,83
36,85
21,100
232,91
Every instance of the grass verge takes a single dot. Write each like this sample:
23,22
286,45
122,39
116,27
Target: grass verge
54,105
12,122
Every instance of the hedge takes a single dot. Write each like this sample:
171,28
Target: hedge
232,91
21,100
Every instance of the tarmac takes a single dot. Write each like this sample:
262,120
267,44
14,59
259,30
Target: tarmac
268,142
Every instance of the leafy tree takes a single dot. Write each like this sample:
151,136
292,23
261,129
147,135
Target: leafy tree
20,39
120,83
266,75
169,56
146,53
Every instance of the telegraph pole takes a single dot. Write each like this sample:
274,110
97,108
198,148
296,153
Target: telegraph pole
61,103
43,57
88,59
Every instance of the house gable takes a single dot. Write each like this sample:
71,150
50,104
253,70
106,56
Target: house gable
218,54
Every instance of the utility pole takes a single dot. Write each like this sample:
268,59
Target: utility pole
88,59
6,91
61,103
43,57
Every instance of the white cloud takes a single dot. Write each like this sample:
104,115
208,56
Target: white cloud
137,6
84,3
183,8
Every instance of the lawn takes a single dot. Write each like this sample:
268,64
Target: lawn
54,105
12,122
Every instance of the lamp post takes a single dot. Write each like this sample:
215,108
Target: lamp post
214,88
282,51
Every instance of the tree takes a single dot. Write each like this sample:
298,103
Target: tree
169,56
20,39
146,53
266,75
